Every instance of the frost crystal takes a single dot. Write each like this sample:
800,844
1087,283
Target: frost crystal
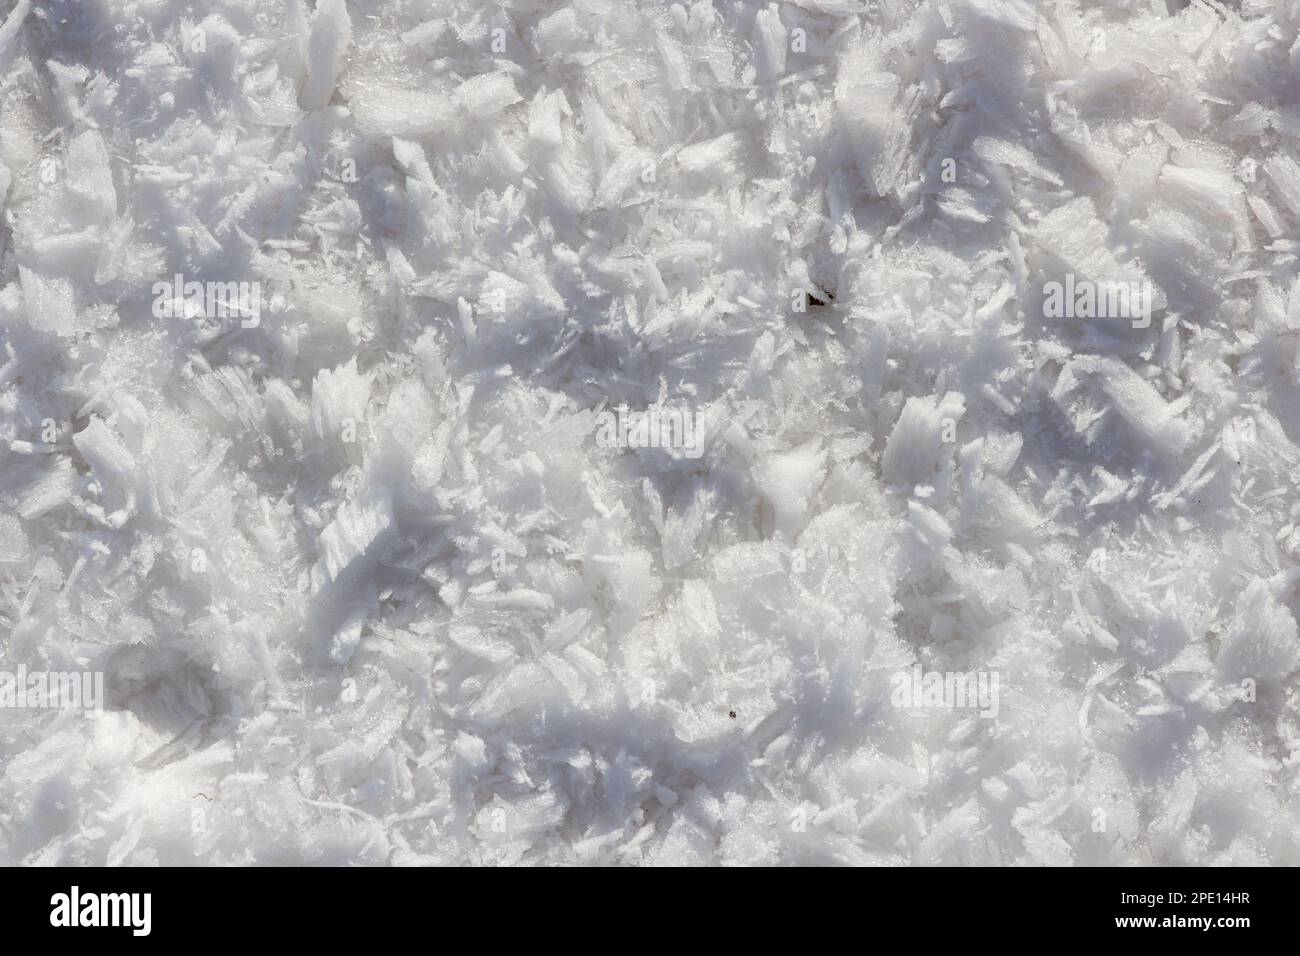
669,433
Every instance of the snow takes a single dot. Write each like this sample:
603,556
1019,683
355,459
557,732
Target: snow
356,569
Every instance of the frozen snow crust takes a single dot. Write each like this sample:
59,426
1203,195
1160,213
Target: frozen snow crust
365,588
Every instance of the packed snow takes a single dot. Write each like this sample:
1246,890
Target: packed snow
644,433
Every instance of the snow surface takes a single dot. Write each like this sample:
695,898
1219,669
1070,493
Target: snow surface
365,588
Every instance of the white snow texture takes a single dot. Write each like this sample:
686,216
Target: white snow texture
363,586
